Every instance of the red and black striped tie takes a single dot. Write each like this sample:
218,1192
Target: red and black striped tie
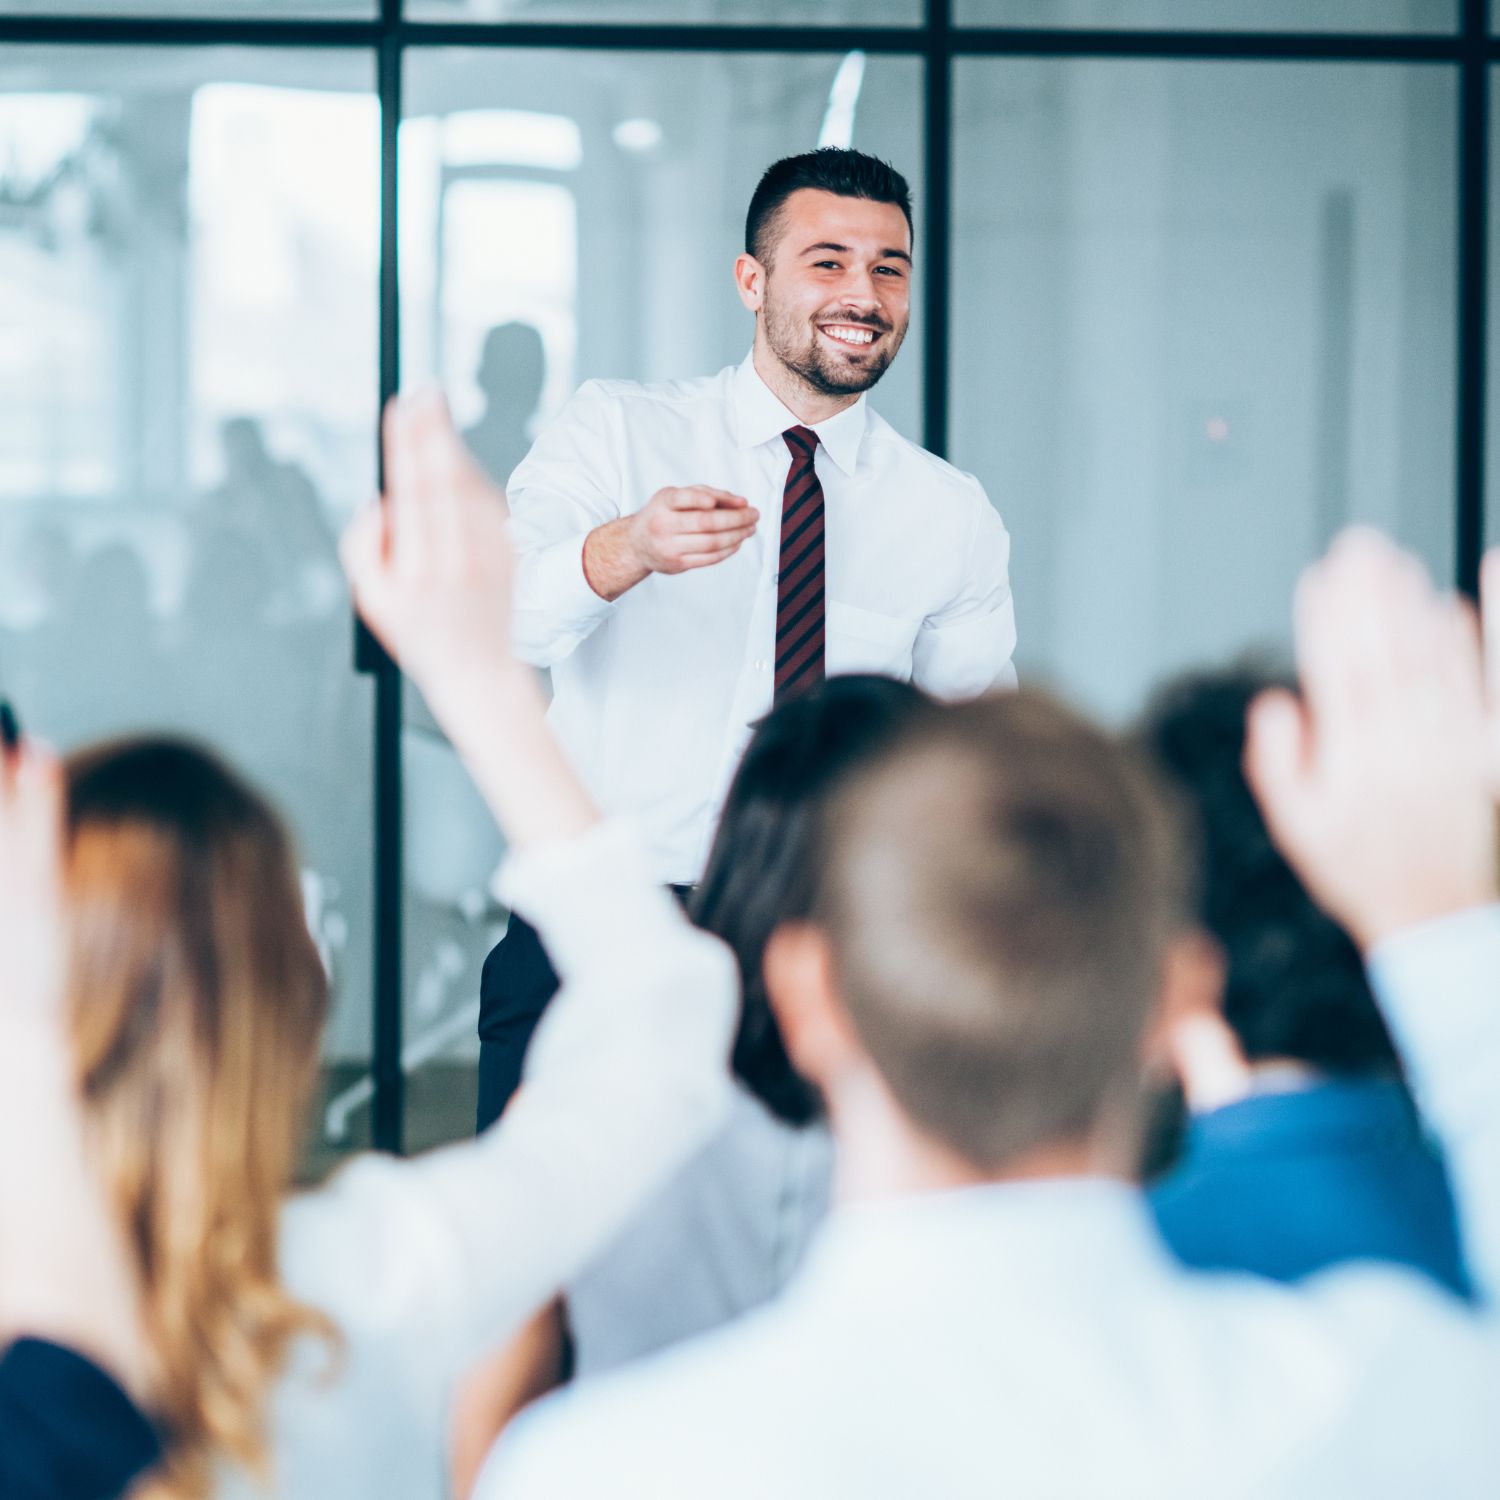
799,581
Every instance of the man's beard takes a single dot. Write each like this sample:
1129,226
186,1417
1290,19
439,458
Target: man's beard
796,345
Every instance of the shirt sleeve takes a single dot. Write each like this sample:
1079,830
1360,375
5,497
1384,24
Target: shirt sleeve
965,648
626,1077
1439,987
568,484
67,1431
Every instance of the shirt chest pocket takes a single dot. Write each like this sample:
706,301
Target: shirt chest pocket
863,640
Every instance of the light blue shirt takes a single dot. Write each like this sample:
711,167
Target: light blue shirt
721,1239
1037,1341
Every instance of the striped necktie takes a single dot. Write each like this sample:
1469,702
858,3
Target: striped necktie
799,581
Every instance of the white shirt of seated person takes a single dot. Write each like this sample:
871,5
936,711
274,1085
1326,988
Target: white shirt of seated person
655,690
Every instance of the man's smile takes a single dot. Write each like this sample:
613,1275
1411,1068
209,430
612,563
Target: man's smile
850,335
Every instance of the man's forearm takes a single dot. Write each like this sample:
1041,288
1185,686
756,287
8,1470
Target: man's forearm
611,563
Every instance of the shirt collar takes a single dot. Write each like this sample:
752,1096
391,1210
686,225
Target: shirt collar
1032,1233
760,416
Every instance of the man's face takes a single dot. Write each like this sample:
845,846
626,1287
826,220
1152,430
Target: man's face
838,289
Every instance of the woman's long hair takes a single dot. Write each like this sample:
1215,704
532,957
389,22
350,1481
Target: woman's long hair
762,869
197,1002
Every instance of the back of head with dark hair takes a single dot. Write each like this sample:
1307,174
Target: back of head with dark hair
1295,985
761,871
1000,887
829,169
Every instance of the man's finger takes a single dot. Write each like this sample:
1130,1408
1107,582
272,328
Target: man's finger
708,559
701,497
714,522
696,546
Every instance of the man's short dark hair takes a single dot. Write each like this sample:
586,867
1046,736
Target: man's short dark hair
830,169
1000,889
762,869
1295,986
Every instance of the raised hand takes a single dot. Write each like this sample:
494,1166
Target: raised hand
65,1272
431,575
431,568
1378,785
1489,597
31,936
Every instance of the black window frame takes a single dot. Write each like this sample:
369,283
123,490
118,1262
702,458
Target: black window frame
938,43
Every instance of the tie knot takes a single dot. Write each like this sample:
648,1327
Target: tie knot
803,441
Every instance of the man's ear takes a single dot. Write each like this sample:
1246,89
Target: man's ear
750,282
798,971
1189,1036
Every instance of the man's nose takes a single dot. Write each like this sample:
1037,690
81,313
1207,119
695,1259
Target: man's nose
860,292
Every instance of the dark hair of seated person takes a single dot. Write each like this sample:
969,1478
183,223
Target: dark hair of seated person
1295,985
762,869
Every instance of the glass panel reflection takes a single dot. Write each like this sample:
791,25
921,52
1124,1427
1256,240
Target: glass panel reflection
1203,317
266,10
188,252
1422,16
567,216
729,12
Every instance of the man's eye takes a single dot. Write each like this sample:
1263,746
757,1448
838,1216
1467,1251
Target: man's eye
826,265
889,271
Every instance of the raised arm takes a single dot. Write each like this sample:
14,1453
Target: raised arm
67,1293
628,1071
1378,787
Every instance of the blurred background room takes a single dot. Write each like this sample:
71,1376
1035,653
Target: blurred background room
1198,283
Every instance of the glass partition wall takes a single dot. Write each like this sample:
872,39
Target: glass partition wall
1198,281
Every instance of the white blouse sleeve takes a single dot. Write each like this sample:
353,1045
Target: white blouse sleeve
1439,988
626,1077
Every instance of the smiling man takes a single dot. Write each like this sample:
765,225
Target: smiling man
690,552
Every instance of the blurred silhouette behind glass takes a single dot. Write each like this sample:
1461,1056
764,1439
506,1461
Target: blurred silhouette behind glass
191,247
512,371
276,503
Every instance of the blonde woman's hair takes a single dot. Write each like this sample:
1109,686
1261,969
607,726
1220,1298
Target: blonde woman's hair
197,1002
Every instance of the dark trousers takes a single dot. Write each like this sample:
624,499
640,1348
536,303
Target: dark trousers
517,984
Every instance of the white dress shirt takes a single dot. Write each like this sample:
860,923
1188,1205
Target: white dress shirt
427,1265
655,694
722,1238
1037,1340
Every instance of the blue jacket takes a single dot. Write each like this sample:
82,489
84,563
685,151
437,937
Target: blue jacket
1286,1184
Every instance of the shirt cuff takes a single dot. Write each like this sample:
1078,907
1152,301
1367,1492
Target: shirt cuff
588,896
1438,979
557,577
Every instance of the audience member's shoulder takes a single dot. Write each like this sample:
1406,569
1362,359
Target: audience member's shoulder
669,1424
936,475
